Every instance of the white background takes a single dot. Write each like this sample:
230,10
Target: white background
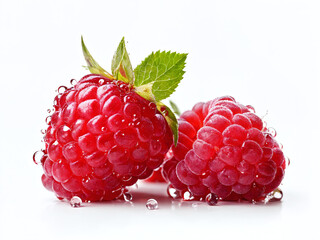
264,53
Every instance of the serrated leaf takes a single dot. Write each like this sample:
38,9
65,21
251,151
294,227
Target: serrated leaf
164,70
175,108
171,120
121,65
93,66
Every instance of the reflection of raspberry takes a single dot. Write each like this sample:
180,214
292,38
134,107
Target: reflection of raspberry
224,149
102,137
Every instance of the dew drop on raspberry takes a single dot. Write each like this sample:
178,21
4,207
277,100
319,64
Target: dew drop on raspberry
212,199
127,197
75,202
187,196
37,157
172,192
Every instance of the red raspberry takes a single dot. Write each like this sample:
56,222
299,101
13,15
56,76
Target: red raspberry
223,149
102,136
106,131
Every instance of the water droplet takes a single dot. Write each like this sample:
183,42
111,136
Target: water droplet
136,185
272,131
49,110
127,197
253,201
48,120
152,204
37,156
172,192
152,106
62,89
275,195
103,129
75,201
212,199
60,198
251,109
187,196
73,82
101,81
288,161
43,131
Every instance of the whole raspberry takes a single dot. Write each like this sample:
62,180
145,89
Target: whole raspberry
224,149
103,135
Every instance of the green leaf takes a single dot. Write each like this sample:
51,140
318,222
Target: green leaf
171,120
162,71
93,66
121,65
175,108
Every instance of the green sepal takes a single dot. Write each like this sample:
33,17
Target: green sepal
93,66
175,108
170,118
121,66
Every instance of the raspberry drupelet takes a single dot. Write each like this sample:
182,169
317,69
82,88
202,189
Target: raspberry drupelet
224,149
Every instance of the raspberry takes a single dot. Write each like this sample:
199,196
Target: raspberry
104,133
94,142
225,150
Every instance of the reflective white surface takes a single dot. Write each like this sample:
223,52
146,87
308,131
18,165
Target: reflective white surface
263,53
